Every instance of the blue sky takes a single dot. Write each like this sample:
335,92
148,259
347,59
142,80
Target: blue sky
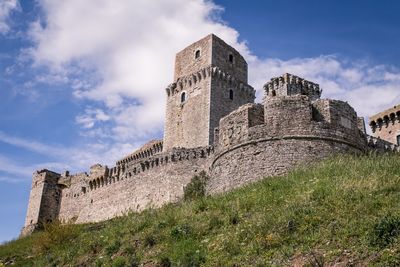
83,82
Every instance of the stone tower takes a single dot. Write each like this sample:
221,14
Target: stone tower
386,125
210,81
44,200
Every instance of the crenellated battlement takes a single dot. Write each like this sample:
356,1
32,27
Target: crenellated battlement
131,169
192,80
149,149
289,84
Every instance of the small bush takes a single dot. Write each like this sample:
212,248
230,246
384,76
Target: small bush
197,187
386,230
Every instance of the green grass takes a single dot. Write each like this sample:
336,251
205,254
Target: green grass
343,210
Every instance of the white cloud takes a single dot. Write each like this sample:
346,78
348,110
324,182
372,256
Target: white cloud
6,7
91,116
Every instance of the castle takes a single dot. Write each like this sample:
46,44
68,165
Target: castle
211,124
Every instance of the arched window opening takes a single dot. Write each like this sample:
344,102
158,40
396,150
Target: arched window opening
380,123
398,140
230,58
197,54
373,126
231,94
386,120
273,92
183,97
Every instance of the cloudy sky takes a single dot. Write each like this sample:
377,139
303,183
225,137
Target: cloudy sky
83,81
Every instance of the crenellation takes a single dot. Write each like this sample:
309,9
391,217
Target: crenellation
212,124
289,84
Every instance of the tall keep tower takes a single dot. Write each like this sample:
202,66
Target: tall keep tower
210,81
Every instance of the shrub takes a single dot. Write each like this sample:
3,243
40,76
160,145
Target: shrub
197,187
386,230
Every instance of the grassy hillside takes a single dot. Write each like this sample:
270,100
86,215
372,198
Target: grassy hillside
345,210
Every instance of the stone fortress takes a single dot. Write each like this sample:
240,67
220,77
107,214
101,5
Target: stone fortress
211,124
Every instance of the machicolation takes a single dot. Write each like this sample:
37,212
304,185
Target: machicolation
212,124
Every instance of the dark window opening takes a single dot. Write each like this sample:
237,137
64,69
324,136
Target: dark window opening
84,190
273,93
197,54
183,97
231,58
231,94
398,140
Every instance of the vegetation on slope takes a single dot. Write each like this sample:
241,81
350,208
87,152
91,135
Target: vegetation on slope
343,210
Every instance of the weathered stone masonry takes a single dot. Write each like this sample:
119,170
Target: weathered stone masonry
386,125
212,124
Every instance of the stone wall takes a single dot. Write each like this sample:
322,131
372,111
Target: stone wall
186,62
228,59
135,186
291,134
227,94
187,122
256,160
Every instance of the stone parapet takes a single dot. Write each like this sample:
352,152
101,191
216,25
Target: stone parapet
289,84
149,149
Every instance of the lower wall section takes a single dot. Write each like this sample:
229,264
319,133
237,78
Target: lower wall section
258,159
148,189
